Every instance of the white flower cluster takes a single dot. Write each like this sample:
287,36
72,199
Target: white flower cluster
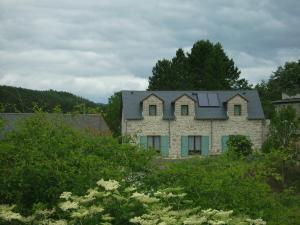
86,211
161,208
163,194
66,195
67,205
256,222
109,185
7,214
54,222
144,198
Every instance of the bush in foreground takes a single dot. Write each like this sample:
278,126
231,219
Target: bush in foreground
102,204
43,157
225,183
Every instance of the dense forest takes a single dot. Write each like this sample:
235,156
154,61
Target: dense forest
15,99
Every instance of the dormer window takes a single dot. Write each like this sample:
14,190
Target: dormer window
237,110
152,110
184,110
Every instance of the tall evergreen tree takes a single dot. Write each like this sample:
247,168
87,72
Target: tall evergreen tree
205,67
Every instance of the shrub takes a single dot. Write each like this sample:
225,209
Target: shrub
43,157
283,133
239,145
98,206
223,183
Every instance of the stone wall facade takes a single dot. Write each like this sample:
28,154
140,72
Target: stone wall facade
188,125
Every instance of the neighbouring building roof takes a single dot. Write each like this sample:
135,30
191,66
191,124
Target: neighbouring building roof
286,101
93,122
132,103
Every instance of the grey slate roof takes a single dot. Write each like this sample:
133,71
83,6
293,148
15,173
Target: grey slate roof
132,107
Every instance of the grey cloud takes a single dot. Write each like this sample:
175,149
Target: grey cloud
94,48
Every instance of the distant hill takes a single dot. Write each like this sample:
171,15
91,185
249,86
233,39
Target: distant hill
15,99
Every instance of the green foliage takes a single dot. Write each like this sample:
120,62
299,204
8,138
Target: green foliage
102,205
266,98
113,113
283,132
281,146
223,183
207,67
239,146
13,99
44,157
285,79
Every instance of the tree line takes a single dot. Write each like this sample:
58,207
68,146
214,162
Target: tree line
15,99
207,67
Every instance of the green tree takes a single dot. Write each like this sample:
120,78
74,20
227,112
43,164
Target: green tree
265,97
205,67
13,99
112,114
44,157
283,130
286,79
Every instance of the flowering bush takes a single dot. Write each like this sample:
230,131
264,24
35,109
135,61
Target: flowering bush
163,207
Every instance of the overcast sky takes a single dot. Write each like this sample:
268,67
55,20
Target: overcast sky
95,47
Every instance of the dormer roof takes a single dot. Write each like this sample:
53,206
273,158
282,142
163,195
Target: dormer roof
131,103
238,94
152,94
182,96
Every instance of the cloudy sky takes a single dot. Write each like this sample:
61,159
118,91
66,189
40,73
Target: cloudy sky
95,47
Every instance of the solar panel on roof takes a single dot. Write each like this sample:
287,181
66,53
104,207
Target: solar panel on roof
202,99
213,99
208,100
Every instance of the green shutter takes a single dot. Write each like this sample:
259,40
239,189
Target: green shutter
205,145
164,148
184,146
143,142
224,143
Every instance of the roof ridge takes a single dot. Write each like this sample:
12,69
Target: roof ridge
240,90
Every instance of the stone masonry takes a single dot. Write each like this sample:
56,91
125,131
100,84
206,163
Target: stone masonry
188,125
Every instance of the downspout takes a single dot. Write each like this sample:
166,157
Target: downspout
169,130
169,135
211,135
263,126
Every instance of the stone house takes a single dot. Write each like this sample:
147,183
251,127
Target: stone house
183,123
